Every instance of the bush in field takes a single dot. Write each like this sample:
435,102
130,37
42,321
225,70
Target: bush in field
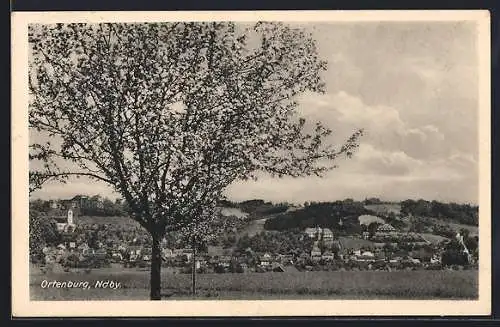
71,261
454,255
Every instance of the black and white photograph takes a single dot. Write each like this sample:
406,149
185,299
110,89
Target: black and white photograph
243,160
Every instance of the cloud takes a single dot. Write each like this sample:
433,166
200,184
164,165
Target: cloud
377,162
83,186
413,87
384,127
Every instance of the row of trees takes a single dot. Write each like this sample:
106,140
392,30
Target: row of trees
42,232
97,206
460,213
283,243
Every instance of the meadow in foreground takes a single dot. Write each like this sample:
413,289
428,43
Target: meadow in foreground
409,285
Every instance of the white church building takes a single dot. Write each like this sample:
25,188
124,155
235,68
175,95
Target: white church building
65,223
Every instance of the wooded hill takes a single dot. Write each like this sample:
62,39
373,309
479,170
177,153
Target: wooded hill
329,214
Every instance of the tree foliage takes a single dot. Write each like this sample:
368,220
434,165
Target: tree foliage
326,214
42,232
283,243
460,213
169,114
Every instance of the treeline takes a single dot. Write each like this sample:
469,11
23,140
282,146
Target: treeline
459,213
324,214
256,207
283,243
108,209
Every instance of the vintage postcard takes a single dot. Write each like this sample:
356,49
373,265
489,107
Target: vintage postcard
307,163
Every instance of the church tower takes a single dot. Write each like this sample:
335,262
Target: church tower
70,217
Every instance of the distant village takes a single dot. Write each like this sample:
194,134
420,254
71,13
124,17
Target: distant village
80,243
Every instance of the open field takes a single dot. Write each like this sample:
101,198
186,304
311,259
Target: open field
233,212
300,285
355,243
434,239
254,227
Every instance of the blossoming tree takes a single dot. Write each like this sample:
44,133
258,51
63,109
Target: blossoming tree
170,114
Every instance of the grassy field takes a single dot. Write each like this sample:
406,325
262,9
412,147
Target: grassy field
299,285
368,219
355,243
433,238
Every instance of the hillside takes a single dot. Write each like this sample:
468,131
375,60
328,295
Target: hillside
354,243
339,215
254,227
343,217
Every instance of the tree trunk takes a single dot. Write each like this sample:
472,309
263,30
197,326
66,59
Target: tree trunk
194,269
155,281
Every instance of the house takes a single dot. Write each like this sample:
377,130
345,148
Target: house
117,256
83,246
225,261
327,235
380,256
167,253
135,252
386,229
183,252
242,259
54,204
83,201
368,254
213,260
303,257
100,254
366,235
365,256
286,258
311,232
200,262
414,261
328,256
265,260
88,252
316,254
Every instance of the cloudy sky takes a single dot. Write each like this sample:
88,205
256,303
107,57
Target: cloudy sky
412,86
